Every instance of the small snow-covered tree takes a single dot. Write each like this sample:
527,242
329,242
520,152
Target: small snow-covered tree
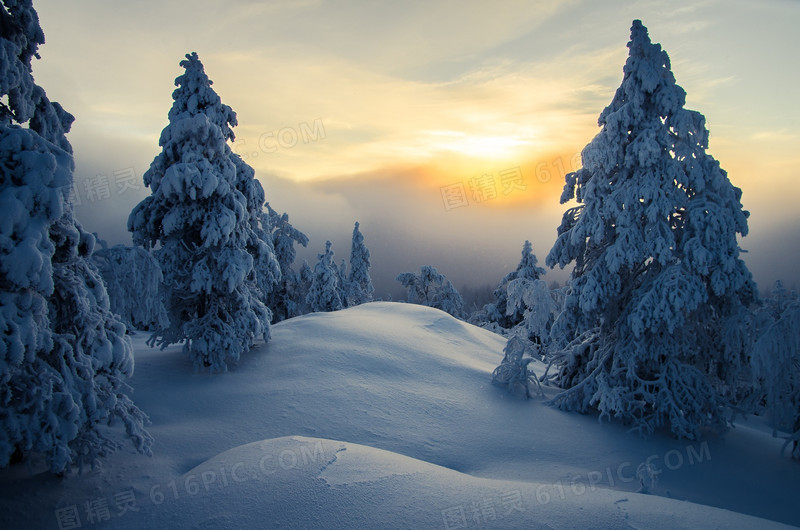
422,288
449,300
651,330
513,372
288,299
534,299
134,283
528,340
527,269
323,294
433,289
776,364
360,287
201,221
64,356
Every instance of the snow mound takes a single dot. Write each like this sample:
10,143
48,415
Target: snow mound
300,482
384,415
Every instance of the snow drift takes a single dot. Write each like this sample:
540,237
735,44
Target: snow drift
385,415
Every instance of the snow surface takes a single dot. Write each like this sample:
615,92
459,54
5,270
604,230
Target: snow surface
384,415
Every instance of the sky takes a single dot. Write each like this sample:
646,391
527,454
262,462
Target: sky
444,127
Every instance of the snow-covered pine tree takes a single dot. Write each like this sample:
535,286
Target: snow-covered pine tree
650,331
360,287
63,355
323,295
776,364
527,269
201,220
289,298
134,283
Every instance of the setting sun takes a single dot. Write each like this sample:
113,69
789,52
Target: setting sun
482,147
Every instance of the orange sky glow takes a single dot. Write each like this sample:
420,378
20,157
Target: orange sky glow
449,124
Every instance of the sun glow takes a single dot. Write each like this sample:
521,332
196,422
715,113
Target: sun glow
487,147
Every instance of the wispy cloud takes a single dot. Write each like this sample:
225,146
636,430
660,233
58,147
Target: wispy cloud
423,94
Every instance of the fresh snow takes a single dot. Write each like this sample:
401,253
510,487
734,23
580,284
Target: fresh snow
384,415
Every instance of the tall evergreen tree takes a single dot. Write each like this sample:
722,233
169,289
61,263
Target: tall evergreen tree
64,356
360,287
651,330
199,216
323,294
527,270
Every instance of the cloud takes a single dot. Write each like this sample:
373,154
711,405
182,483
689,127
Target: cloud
415,96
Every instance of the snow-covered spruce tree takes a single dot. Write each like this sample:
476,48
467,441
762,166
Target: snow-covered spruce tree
323,295
200,219
288,299
134,283
527,269
776,364
650,332
63,355
433,289
360,287
266,268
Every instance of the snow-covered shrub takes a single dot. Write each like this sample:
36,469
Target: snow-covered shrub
513,372
647,475
203,225
432,289
324,293
526,270
134,283
63,355
652,326
776,363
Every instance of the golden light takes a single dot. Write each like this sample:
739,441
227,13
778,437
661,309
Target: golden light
487,147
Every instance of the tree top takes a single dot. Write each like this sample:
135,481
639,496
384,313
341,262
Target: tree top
194,96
